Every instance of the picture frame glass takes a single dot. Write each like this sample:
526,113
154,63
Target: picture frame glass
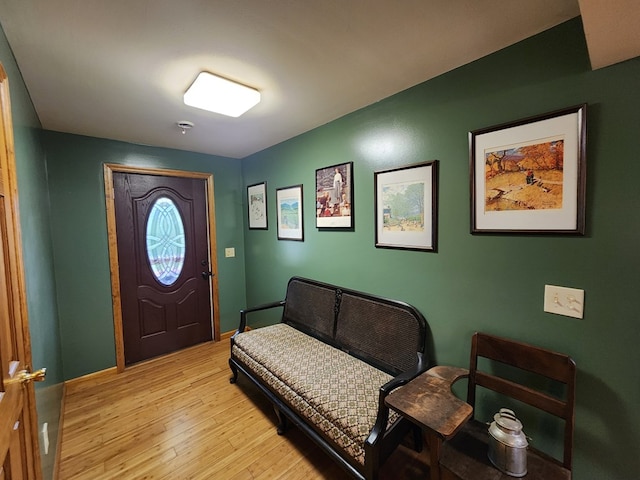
406,207
334,196
257,206
528,177
289,213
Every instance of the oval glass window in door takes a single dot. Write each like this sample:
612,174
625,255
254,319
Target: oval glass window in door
165,241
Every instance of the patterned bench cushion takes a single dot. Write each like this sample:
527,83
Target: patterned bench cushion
333,390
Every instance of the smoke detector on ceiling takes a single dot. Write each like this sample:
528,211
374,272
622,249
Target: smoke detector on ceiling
185,125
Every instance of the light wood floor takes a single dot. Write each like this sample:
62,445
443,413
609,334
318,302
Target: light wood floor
178,417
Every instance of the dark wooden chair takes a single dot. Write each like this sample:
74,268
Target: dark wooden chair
465,455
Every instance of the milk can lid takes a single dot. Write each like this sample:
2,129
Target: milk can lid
507,420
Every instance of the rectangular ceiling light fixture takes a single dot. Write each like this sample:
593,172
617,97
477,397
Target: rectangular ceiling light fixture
216,94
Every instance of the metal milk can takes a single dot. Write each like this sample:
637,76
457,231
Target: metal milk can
508,444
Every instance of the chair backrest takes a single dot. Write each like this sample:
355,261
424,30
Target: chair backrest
555,366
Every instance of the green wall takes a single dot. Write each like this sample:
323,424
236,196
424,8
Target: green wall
492,283
38,255
79,230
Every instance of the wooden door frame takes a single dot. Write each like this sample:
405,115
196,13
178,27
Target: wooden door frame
109,169
17,274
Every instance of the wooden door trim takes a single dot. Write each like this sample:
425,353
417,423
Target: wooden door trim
17,274
109,170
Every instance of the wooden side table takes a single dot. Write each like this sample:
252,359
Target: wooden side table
428,402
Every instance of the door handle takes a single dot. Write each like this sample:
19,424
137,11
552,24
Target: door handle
206,275
26,376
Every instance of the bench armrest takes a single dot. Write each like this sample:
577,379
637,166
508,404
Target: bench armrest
400,380
383,411
266,306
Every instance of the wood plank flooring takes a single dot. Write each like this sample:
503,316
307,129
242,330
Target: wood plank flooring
178,417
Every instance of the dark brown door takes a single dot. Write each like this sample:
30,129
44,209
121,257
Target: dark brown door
161,225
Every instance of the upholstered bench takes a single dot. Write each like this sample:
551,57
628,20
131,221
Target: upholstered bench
329,364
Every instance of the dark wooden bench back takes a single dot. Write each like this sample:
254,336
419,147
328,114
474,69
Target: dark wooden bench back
555,366
310,307
388,334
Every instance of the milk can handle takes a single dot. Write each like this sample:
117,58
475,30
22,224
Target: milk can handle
505,412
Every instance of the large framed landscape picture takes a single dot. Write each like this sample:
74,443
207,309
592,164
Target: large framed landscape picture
406,207
529,176
289,213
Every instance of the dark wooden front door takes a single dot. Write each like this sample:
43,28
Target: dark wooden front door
163,258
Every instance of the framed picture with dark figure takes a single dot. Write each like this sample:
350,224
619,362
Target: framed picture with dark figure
334,196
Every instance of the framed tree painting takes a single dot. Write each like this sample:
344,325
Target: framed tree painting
257,206
334,196
529,176
406,207
289,213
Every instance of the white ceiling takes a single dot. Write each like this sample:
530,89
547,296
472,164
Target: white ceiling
118,69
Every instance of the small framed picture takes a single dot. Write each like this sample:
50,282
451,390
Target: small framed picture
529,176
406,207
289,213
257,206
334,196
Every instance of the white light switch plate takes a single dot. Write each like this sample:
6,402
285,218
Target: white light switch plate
564,301
229,252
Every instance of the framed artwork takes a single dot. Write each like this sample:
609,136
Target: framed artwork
257,206
289,212
529,176
406,207
334,196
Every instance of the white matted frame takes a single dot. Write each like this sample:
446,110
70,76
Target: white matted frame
529,176
406,207
289,212
257,206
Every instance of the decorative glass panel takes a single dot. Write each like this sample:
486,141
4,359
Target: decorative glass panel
165,241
